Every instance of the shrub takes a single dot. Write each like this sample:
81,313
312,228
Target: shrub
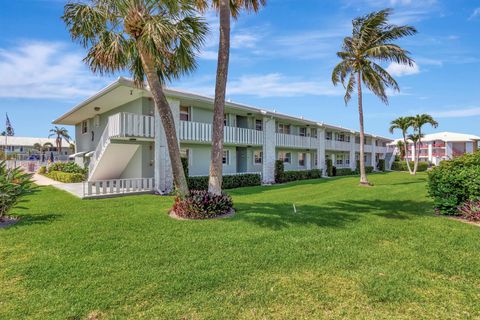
368,169
201,204
42,170
289,176
334,171
344,172
66,177
329,167
68,167
14,184
470,210
454,182
381,165
402,166
185,166
279,170
229,182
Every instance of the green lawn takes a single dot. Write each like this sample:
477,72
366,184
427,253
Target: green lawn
349,252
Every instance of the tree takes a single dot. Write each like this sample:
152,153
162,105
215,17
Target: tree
37,146
372,42
418,122
400,147
415,138
47,146
157,40
226,10
61,134
403,124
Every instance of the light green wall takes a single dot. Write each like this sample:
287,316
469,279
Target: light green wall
293,165
199,159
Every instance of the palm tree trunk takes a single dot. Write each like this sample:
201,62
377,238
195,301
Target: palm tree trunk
216,164
166,116
363,175
417,154
405,146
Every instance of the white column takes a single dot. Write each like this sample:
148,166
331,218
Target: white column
321,151
374,155
353,163
430,151
449,150
308,160
269,147
469,147
163,168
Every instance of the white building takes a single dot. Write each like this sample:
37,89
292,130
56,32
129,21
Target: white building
443,146
120,135
23,148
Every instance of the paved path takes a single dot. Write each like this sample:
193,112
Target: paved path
44,181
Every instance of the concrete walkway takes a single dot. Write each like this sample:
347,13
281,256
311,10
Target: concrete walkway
44,181
73,188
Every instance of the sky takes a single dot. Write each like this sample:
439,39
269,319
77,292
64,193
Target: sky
281,59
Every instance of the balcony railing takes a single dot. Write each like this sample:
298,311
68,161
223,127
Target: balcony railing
294,141
202,132
337,145
131,125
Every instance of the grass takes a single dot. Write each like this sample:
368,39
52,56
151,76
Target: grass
349,253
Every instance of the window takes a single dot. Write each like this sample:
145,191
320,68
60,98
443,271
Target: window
84,126
328,135
96,121
259,125
225,119
339,160
340,137
258,157
357,139
347,138
286,157
347,161
315,159
303,132
301,158
184,113
226,157
184,153
313,133
283,128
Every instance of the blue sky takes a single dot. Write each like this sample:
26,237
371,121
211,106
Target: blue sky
281,59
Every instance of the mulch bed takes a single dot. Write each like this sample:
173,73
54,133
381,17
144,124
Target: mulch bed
230,213
461,219
8,221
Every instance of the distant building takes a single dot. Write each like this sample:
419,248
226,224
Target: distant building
443,146
22,148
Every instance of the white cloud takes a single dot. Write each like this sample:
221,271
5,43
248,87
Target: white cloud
269,85
457,113
476,13
399,70
44,70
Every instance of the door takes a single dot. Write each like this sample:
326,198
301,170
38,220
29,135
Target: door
241,159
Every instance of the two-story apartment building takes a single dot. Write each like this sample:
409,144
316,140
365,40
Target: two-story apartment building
443,146
120,137
24,148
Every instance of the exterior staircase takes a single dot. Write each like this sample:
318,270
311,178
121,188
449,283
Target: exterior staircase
390,158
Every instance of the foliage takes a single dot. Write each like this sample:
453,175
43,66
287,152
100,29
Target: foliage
381,165
229,182
42,170
470,210
185,166
14,184
279,170
402,166
344,172
289,176
201,204
453,182
68,167
329,167
65,177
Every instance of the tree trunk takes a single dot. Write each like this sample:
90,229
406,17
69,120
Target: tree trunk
363,175
166,116
216,164
417,153
405,146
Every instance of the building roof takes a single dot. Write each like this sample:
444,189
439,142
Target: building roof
124,90
447,137
29,141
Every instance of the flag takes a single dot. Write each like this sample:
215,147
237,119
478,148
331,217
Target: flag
8,127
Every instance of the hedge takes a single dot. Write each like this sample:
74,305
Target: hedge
454,182
344,172
65,176
402,166
229,182
289,176
381,165
279,170
68,167
330,168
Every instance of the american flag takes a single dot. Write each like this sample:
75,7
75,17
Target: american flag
8,127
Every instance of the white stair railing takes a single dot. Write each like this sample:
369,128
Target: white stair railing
101,146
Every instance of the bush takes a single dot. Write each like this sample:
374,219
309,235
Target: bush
344,172
330,168
185,166
202,205
68,167
289,176
42,170
66,177
402,166
470,210
229,182
279,170
14,184
381,165
454,182
368,169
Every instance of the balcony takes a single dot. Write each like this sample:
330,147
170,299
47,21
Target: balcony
337,145
294,141
131,125
202,132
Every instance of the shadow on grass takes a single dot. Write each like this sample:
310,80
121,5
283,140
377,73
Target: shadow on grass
277,216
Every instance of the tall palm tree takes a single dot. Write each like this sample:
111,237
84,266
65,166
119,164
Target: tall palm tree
403,124
157,40
37,146
371,42
61,134
227,9
415,138
418,122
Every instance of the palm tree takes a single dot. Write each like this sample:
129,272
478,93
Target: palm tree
226,9
47,146
372,42
157,40
415,138
418,122
37,146
61,134
403,124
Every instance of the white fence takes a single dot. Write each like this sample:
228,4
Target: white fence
117,187
294,141
126,124
202,132
337,145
